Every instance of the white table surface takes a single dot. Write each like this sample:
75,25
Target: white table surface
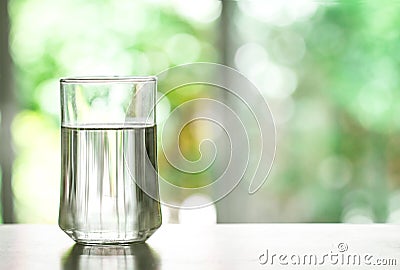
223,246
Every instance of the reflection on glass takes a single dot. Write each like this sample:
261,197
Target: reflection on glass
134,256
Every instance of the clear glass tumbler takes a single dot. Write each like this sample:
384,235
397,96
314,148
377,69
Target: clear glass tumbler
109,185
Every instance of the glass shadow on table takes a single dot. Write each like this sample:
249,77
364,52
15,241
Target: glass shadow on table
134,256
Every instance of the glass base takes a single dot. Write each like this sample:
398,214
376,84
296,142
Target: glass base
109,238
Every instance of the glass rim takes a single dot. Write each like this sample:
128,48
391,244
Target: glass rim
107,79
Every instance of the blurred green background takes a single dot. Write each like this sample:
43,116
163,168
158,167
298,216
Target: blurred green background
328,70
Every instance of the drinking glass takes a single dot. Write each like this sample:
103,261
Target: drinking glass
109,185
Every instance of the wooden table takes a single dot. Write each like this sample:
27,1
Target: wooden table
230,246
